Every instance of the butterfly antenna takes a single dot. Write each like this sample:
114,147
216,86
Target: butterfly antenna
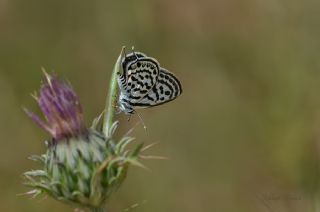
133,52
144,126
124,53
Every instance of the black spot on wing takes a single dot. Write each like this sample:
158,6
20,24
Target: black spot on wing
125,100
136,81
173,80
142,63
142,75
150,98
163,82
161,89
139,104
134,97
155,91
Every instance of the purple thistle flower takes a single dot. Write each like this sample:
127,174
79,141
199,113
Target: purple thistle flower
61,108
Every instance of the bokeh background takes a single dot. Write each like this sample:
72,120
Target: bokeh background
244,136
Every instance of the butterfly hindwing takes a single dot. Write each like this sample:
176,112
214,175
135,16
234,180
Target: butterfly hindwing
166,89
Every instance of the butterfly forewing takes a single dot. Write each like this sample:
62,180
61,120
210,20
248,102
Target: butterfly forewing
129,58
141,77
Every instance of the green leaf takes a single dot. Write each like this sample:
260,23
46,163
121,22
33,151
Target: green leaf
112,98
96,122
136,151
122,144
36,173
135,162
38,158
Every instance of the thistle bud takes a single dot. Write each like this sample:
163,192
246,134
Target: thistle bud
81,165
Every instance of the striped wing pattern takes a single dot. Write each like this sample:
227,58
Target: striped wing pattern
144,83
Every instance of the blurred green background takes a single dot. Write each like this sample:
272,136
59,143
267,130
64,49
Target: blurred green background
244,136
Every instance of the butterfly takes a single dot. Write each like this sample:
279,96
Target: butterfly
144,83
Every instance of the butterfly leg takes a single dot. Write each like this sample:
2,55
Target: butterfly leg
118,111
142,122
129,117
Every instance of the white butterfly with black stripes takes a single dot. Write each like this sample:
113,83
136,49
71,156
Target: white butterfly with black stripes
144,83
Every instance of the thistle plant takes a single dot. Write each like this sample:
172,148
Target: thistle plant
82,166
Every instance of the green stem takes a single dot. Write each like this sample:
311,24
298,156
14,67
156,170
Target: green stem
111,101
